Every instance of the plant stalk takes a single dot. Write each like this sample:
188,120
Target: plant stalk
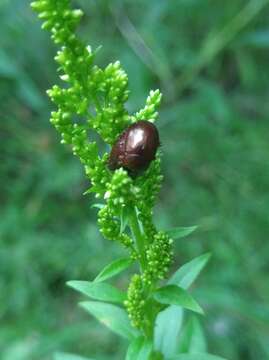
138,238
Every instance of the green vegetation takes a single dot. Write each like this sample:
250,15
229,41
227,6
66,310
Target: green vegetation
210,62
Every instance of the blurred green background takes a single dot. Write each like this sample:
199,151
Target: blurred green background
210,59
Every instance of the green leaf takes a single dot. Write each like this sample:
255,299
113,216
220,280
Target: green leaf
192,339
180,232
175,295
115,318
169,321
196,356
96,205
98,291
114,268
167,328
124,219
139,349
65,356
88,191
186,274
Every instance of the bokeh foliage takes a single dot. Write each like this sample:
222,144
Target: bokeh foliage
210,60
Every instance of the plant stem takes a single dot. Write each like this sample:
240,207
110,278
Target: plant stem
140,245
138,237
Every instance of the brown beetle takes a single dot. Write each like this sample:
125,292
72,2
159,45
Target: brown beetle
135,148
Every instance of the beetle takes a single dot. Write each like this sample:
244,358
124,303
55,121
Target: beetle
135,148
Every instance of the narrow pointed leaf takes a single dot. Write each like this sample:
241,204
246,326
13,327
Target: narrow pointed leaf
180,232
186,274
167,328
196,356
174,295
192,339
88,191
139,349
124,219
113,269
115,318
65,356
169,321
98,291
97,205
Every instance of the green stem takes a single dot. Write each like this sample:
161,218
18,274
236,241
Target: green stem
139,238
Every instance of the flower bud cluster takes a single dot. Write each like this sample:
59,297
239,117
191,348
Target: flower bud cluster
149,112
119,195
99,176
121,192
112,118
59,19
135,303
149,185
110,227
94,99
159,257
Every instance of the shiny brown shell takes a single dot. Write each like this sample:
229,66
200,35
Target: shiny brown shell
135,148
